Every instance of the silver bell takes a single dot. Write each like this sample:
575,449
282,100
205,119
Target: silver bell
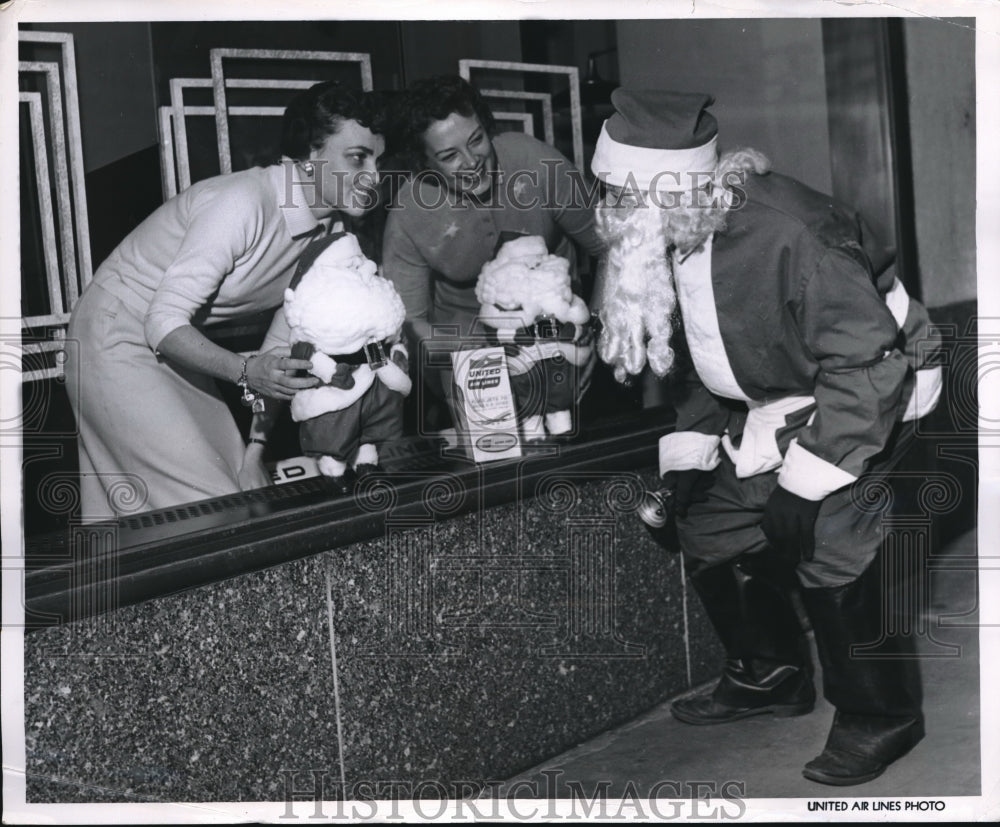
654,510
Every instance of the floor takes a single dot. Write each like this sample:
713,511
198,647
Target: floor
766,755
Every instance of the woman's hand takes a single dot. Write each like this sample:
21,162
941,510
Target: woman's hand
252,473
273,374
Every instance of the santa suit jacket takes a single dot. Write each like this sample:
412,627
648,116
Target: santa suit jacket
806,349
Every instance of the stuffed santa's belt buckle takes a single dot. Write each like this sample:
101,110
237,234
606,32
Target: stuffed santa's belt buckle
546,329
375,354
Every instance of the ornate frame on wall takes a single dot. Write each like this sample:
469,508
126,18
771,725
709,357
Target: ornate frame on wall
220,83
174,157
549,133
466,66
67,177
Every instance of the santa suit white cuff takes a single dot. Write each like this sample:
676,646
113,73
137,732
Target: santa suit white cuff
927,383
330,467
559,422
684,450
805,474
898,302
367,455
394,377
323,367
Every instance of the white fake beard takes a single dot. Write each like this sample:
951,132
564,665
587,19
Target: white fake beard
689,227
638,293
639,298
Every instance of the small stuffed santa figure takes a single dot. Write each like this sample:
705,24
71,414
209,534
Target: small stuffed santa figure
347,320
527,305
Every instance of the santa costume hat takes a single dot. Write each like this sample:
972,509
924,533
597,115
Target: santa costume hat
656,140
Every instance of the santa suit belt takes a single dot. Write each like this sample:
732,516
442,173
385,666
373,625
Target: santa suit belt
375,354
758,450
546,329
548,338
312,402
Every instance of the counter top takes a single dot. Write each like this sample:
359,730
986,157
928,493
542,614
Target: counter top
94,568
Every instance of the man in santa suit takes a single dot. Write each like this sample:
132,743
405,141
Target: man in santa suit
805,370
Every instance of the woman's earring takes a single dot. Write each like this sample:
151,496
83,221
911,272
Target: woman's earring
307,167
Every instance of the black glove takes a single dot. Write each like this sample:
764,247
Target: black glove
789,524
689,487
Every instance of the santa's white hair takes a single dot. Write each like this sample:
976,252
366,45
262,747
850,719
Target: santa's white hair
637,299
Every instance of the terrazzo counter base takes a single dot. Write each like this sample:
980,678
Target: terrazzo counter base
453,650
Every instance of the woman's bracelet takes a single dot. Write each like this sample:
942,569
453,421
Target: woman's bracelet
251,398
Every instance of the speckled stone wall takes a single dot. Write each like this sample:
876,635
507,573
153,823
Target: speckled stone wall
467,648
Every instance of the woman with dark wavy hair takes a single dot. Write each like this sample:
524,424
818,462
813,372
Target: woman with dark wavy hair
426,102
470,190
143,382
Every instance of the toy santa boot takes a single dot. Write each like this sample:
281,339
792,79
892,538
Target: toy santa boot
877,697
366,461
767,669
335,473
559,423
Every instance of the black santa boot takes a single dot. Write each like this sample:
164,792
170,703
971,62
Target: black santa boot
878,699
767,661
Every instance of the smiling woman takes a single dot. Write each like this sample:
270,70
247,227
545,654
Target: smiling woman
222,250
472,190
459,148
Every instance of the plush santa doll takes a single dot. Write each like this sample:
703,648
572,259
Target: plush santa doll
528,306
347,320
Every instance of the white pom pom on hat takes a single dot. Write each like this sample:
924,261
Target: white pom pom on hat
656,140
342,249
527,245
523,282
